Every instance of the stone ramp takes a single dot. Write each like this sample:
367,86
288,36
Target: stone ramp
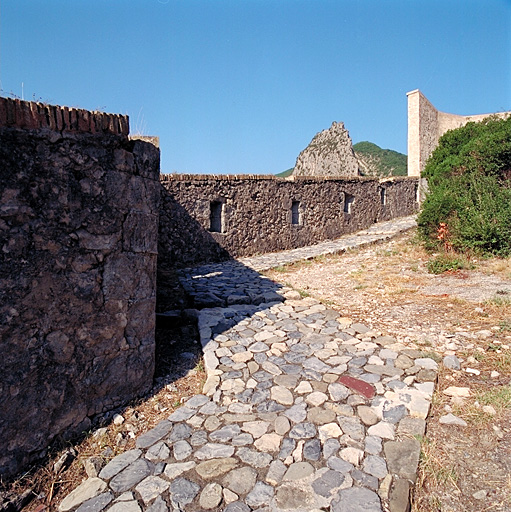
302,411
374,234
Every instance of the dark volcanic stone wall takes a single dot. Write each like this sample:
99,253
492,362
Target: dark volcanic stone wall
257,213
78,246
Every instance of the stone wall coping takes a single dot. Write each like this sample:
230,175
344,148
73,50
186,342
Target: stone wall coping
31,115
271,177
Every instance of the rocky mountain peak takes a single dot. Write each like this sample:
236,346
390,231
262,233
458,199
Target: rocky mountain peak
330,153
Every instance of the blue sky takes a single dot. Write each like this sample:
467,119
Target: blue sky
242,86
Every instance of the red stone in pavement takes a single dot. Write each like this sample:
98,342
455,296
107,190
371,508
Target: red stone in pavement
360,386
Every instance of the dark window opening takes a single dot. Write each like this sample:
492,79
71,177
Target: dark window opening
295,212
383,196
348,202
215,217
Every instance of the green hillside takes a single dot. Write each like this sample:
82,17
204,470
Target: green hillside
284,174
375,161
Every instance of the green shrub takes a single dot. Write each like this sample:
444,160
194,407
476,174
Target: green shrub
447,262
469,177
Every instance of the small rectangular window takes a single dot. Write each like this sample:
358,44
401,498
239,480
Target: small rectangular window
383,196
348,202
215,217
295,212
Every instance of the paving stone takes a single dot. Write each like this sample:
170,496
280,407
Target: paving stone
96,504
315,364
352,455
276,472
395,414
299,471
225,433
211,496
303,387
154,435
174,470
125,506
328,431
197,401
260,495
373,445
293,496
367,415
356,499
320,416
151,487
131,476
338,392
268,442
340,465
404,362
237,506
382,429
287,447
412,426
182,491
316,399
296,413
181,450
241,481
255,428
213,450
282,395
402,458
303,431
352,427
199,438
158,505
254,458
400,496
426,363
330,447
229,496
118,463
327,483
182,414
364,479
287,381
364,388
158,452
242,440
312,449
282,425
215,467
375,466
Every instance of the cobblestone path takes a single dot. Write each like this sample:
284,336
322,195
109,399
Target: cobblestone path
301,410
